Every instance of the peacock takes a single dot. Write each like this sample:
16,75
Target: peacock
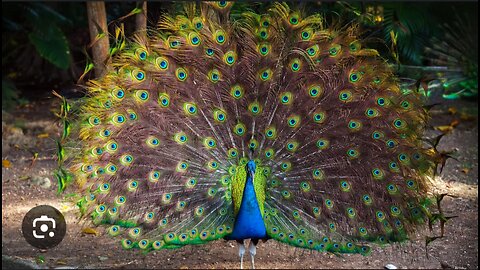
239,125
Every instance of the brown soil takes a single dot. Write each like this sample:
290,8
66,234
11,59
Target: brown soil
26,184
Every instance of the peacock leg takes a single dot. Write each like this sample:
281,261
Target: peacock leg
241,251
252,249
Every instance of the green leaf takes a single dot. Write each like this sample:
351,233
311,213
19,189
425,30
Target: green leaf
412,27
51,43
40,259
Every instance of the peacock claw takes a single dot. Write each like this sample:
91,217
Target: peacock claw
252,249
241,252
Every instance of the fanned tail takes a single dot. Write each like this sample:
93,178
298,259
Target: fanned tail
158,147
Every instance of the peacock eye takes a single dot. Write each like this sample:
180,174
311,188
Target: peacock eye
214,75
119,93
353,77
220,37
163,64
333,51
381,101
294,20
181,74
140,76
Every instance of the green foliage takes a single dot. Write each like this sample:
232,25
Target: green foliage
412,24
455,53
52,45
354,11
429,42
405,28
41,25
48,39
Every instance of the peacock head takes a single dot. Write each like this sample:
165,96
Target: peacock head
251,166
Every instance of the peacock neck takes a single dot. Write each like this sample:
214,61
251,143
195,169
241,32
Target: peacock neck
249,222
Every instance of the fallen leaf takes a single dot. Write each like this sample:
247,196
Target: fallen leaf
43,135
24,177
465,170
454,123
6,163
61,262
444,129
452,110
90,231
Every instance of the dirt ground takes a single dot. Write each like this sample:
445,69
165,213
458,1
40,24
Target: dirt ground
26,183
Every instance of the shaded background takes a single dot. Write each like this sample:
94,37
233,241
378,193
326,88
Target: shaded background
45,44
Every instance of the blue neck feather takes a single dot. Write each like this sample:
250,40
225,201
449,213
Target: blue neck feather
249,221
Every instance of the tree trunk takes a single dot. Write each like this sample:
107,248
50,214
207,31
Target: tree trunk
141,18
97,23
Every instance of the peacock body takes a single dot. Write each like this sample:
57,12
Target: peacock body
269,126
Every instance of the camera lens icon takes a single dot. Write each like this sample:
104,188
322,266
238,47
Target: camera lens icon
44,227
